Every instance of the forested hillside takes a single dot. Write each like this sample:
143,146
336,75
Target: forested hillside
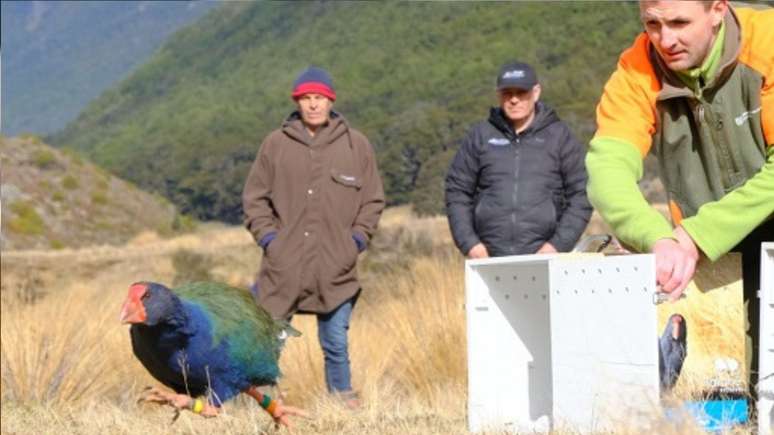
411,76
59,55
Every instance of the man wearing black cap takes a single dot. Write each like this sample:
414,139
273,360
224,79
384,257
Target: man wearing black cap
518,183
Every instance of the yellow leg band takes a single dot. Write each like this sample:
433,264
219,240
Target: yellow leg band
198,406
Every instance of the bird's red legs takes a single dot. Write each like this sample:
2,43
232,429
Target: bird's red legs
178,401
276,409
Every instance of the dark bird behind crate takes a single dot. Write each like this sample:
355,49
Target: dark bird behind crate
672,350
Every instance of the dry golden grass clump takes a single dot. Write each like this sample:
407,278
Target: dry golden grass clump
67,364
59,350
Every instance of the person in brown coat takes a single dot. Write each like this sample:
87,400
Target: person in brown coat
312,201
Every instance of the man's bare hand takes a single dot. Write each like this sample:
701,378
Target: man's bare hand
547,248
686,241
675,263
478,251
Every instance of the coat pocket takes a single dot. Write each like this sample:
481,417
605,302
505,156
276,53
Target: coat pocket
275,248
350,251
540,221
340,259
343,196
347,179
346,268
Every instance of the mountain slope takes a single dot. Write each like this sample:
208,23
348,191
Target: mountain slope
411,76
52,199
57,56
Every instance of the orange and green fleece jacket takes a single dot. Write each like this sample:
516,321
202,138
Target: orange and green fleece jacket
711,128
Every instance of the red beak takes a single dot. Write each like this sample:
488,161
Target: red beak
133,310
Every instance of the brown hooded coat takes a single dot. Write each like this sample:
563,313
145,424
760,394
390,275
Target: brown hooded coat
315,193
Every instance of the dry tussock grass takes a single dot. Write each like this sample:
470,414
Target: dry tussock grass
51,355
67,365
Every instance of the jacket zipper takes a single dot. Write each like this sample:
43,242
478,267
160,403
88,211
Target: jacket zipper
713,127
515,195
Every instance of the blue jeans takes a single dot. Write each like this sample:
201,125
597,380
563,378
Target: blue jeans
332,329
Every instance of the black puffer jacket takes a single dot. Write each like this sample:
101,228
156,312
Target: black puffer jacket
514,192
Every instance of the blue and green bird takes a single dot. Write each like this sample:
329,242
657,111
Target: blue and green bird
206,339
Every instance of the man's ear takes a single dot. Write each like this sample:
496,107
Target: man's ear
718,11
536,92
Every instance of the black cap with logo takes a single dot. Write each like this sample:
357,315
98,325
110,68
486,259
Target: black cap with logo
516,75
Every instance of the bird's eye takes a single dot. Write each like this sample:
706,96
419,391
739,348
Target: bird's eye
145,295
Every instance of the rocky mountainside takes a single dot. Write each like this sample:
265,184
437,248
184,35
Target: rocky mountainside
55,199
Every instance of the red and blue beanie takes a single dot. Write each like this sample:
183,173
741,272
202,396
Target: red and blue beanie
314,81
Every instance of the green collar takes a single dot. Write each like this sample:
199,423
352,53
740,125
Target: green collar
710,66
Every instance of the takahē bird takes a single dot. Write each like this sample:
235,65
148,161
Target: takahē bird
672,350
206,339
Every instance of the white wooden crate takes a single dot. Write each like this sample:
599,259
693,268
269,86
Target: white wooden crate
559,339
766,362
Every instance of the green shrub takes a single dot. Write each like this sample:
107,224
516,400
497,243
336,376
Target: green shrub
103,226
102,183
428,196
99,198
44,159
27,220
73,156
58,196
70,183
57,244
31,138
191,267
183,223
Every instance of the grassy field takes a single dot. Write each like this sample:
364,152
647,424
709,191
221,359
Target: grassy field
67,365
